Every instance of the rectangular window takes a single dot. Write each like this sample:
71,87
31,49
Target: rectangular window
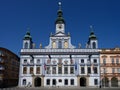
48,70
32,61
82,70
25,61
24,70
37,70
82,60
88,61
95,81
89,70
66,82
71,70
95,70
104,70
38,61
117,61
65,70
48,82
118,70
72,81
112,60
113,70
53,70
31,70
59,44
59,70
104,61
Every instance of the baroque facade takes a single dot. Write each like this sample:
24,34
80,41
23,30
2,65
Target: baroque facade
110,67
60,63
9,68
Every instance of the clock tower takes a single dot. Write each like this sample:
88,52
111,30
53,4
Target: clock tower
60,23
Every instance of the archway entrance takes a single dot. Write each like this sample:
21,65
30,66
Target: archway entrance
83,81
37,82
114,82
105,82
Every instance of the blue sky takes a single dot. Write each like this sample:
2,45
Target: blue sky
40,15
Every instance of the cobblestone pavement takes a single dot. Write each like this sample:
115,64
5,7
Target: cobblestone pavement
60,88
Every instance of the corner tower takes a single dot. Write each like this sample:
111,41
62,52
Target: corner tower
92,42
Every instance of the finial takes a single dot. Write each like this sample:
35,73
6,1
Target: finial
51,34
59,3
68,33
79,45
40,45
91,28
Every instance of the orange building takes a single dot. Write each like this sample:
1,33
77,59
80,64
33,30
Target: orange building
110,67
9,68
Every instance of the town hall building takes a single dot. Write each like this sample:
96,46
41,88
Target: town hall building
60,63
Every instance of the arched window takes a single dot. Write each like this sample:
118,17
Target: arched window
94,45
65,44
24,82
60,44
26,45
53,44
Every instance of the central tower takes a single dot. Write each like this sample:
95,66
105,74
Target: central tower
60,23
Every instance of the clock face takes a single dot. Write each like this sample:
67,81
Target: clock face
60,26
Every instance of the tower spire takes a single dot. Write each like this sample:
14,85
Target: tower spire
60,4
92,35
60,18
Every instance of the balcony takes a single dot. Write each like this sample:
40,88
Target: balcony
110,65
110,75
82,64
59,51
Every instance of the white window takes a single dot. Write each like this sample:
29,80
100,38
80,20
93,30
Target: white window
71,70
65,70
48,81
95,81
53,70
24,82
25,61
38,61
48,70
117,61
59,70
72,81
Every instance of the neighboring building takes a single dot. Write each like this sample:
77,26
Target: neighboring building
9,68
110,67
60,63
